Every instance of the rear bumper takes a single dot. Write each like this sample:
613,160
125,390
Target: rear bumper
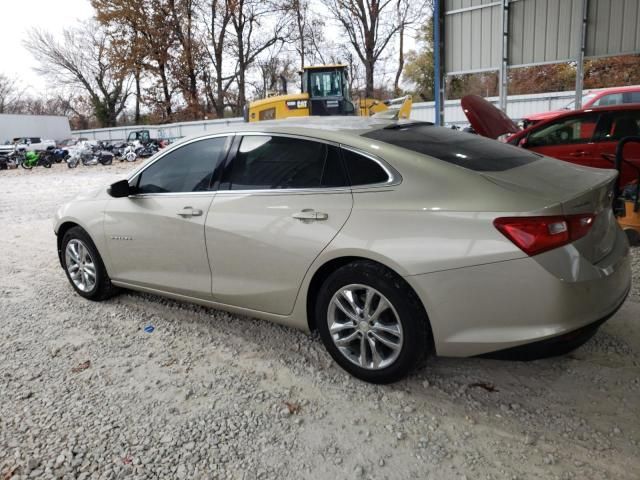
554,346
488,308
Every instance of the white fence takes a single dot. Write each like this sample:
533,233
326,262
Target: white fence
170,130
517,107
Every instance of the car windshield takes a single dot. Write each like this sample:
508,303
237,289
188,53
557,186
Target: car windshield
585,99
326,84
463,149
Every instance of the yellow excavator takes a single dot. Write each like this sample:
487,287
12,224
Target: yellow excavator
325,91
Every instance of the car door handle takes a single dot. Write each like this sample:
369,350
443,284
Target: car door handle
190,212
578,154
310,215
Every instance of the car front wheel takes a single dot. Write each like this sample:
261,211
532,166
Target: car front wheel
84,267
372,323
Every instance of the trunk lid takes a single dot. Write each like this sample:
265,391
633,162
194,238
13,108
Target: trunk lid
576,189
485,118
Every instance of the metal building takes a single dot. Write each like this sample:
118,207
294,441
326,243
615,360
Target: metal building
495,35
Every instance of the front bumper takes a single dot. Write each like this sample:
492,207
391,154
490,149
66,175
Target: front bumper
488,308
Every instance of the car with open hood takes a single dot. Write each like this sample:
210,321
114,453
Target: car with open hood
586,137
394,240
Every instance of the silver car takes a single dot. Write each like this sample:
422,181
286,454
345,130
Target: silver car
393,240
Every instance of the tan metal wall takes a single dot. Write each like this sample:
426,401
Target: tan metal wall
540,31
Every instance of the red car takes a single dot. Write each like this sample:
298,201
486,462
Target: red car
605,97
585,137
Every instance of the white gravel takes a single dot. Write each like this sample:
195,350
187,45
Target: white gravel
86,393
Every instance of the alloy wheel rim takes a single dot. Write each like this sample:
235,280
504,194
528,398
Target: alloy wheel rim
80,265
365,327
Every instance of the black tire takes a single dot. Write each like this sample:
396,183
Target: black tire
45,163
103,289
417,342
26,165
633,236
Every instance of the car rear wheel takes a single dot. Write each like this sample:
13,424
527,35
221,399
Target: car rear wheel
84,267
372,323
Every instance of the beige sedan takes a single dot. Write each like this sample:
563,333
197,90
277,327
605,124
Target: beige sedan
393,240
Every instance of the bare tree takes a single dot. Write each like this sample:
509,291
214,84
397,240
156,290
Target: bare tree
370,25
248,17
217,18
308,34
10,94
409,13
81,59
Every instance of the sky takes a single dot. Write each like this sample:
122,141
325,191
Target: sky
21,16
18,17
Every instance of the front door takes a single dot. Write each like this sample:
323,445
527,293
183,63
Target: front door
156,237
281,202
568,138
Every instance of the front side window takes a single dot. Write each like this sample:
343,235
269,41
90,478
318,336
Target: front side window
326,84
566,131
270,162
188,168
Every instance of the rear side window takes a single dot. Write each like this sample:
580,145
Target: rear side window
614,126
270,162
363,170
463,149
188,168
632,97
611,99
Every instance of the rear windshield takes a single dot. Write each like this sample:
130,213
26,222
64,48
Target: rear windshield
463,149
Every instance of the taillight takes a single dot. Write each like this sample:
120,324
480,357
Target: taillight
534,235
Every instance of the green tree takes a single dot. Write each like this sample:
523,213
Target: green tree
418,68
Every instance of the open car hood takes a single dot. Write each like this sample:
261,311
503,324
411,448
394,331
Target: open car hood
485,118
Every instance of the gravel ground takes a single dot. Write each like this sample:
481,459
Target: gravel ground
86,393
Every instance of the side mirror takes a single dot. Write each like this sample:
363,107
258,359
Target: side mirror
119,189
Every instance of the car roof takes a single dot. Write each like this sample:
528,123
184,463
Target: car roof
606,91
584,111
331,128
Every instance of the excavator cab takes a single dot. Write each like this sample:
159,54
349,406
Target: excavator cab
328,90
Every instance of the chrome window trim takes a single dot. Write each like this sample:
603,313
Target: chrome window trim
173,194
394,177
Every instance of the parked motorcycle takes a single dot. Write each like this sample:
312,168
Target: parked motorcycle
89,155
57,155
128,153
35,159
147,150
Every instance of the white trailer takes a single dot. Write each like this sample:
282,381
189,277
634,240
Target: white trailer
51,127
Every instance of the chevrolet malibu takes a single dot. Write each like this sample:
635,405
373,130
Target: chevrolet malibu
393,240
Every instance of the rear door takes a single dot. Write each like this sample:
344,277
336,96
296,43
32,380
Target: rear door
567,138
615,126
281,201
